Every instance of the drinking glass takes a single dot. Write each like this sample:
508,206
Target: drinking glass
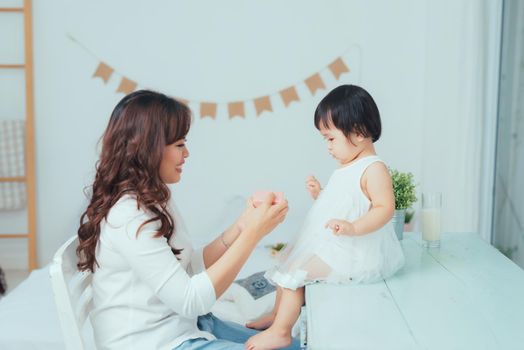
431,218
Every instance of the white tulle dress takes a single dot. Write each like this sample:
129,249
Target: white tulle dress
316,254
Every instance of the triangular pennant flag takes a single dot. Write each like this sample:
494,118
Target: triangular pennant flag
289,95
314,83
236,109
263,104
103,71
337,67
208,109
126,86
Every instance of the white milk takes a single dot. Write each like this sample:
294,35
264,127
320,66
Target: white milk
431,224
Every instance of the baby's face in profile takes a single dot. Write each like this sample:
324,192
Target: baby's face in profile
343,149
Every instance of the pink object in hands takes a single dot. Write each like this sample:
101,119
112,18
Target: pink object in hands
260,196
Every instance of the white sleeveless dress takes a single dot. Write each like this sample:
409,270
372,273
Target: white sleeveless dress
316,254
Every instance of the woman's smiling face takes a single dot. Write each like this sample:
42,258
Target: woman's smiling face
173,159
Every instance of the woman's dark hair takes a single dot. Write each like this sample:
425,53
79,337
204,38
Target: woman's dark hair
351,109
140,127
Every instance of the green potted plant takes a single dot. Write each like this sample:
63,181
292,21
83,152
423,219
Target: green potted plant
405,196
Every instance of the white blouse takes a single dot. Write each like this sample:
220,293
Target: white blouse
143,296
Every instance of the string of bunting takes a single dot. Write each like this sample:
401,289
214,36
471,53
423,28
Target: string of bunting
262,104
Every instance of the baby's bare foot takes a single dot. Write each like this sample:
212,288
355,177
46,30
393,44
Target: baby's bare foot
269,339
262,322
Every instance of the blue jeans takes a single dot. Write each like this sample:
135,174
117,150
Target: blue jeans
230,336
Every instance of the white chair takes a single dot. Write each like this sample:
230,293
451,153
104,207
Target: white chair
73,294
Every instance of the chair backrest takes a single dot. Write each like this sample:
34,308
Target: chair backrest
73,293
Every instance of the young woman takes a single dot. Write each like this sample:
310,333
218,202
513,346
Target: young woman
150,287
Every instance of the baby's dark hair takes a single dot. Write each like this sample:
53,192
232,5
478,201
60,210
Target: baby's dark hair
351,109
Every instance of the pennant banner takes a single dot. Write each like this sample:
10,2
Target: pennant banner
314,83
208,109
236,109
338,67
289,95
263,104
126,86
103,71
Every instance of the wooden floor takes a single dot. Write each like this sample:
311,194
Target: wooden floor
464,295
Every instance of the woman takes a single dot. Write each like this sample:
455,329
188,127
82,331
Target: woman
150,287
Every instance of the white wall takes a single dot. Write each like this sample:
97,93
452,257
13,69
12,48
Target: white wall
410,55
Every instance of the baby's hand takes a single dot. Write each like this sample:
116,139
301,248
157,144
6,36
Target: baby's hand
341,227
313,186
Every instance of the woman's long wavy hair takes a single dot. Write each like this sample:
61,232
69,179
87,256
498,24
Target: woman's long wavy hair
141,125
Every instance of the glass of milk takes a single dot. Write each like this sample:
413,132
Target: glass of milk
431,221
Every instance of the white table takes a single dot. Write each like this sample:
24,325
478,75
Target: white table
464,295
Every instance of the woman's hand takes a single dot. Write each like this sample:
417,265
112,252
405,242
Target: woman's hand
264,218
240,223
313,186
341,227
225,263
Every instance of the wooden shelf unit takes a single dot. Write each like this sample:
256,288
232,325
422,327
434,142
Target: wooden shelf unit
29,178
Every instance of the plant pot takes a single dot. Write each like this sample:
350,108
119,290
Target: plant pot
398,222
